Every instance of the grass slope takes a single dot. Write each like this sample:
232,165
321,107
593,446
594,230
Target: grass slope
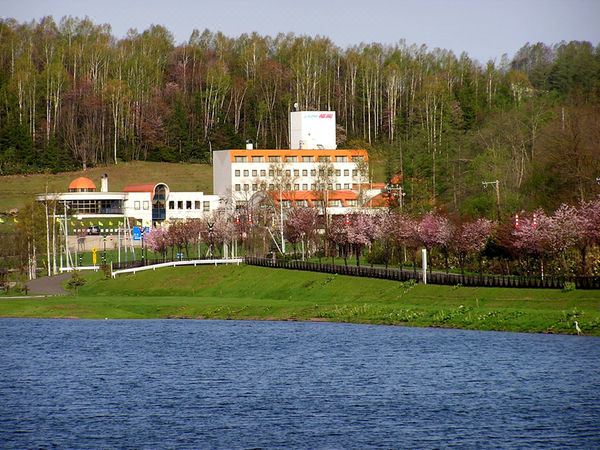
17,190
248,292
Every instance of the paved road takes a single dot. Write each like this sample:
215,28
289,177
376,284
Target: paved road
48,285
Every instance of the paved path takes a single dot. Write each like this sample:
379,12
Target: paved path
48,285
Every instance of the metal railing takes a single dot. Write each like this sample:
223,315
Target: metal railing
432,278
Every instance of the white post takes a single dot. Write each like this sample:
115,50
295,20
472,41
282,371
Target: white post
281,222
424,264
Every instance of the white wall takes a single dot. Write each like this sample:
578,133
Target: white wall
309,129
190,205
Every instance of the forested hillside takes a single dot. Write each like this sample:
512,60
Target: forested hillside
73,96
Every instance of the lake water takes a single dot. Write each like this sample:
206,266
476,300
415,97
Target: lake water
228,384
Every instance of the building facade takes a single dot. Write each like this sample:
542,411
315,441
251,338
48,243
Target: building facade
146,204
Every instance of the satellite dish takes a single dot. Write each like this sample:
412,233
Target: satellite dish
296,106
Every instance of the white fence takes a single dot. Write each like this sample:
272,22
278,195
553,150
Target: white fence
193,262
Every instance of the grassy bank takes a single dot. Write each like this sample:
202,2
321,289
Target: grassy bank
247,292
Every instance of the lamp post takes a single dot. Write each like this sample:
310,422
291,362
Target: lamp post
104,250
143,247
210,239
496,184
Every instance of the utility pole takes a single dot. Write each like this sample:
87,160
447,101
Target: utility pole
496,184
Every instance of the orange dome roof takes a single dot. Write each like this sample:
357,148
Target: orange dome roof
82,183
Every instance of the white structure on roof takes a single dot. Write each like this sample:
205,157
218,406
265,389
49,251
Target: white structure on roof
312,130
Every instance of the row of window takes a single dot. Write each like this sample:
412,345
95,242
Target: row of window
296,172
197,204
318,203
289,187
293,159
137,204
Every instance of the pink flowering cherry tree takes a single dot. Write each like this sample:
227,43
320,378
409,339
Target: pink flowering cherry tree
470,239
435,231
406,235
361,231
301,227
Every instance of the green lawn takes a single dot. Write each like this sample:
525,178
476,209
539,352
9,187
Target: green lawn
248,292
17,190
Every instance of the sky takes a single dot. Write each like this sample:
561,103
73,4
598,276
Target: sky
485,29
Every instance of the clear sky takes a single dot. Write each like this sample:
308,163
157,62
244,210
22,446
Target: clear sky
485,29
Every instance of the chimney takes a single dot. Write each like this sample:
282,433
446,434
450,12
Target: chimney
104,186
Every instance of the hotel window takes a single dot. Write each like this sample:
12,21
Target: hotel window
273,158
351,202
305,187
146,204
307,159
313,172
323,158
255,187
206,206
239,159
335,203
246,187
346,172
257,159
271,173
171,204
338,186
340,159
296,173
304,172
238,187
271,187
263,173
197,204
290,159
288,187
180,204
136,204
246,173
188,204
254,173
338,173
288,173
296,187
330,186
346,185
354,173
358,158
237,173
312,187
286,203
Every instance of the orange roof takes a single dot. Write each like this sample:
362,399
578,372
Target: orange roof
82,183
146,187
380,200
299,153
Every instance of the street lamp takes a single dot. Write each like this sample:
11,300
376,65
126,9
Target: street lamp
143,247
104,250
496,184
210,238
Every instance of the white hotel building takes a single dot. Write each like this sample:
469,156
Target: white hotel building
296,175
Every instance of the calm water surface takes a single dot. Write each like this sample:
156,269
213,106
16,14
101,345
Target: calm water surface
227,384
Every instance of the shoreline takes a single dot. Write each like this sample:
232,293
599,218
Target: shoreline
255,293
